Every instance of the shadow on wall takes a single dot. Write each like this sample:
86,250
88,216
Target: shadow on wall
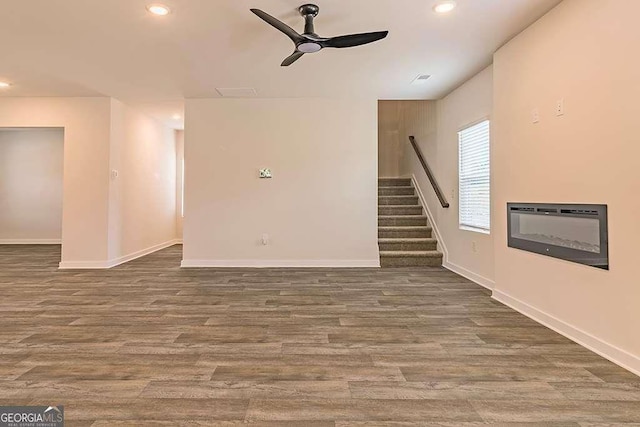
31,183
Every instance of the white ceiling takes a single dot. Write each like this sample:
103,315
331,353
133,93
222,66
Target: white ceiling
116,48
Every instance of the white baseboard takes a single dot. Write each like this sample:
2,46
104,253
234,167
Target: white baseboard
141,253
83,265
609,351
291,263
30,241
480,280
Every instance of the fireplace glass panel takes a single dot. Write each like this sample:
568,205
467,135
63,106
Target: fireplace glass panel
576,233
581,234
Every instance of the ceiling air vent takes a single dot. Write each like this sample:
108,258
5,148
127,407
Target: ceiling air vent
422,78
237,92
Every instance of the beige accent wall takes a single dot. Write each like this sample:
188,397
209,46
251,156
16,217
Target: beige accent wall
585,52
397,120
31,179
142,205
390,143
320,208
86,123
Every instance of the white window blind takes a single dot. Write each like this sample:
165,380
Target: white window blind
474,191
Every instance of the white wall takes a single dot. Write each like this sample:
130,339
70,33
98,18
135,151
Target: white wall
31,178
179,181
319,209
471,102
586,53
142,208
106,221
86,123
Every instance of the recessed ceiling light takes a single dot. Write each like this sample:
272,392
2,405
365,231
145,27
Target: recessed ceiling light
444,6
159,9
4,84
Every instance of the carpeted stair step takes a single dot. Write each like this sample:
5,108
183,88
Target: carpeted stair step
410,259
407,244
392,182
399,210
404,235
398,200
396,191
401,220
411,232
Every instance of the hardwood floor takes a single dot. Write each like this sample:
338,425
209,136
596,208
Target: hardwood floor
147,344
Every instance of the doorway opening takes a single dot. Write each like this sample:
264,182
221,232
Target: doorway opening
31,182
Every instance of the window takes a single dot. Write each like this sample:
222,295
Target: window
474,191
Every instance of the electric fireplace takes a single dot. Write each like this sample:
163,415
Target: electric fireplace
576,233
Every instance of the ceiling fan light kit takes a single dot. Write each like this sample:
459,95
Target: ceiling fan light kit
309,41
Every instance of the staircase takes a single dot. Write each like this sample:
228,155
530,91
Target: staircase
404,234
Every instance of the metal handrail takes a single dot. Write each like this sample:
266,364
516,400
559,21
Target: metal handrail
432,179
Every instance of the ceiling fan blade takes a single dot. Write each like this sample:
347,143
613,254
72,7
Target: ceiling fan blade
291,59
290,32
354,39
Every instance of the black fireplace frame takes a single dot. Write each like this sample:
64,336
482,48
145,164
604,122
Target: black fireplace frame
598,260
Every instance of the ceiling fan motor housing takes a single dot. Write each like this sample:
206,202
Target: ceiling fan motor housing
309,47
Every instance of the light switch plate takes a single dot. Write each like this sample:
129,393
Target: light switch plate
265,173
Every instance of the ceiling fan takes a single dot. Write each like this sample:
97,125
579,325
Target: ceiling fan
309,41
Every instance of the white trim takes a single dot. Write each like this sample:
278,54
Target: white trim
486,118
82,265
177,241
474,229
432,222
609,351
290,263
141,253
480,280
30,241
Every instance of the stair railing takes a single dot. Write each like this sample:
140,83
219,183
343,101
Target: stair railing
427,170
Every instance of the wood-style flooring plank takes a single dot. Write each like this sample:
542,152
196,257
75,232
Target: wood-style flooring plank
150,344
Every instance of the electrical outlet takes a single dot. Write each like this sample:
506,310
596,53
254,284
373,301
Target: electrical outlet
474,246
265,239
535,115
560,107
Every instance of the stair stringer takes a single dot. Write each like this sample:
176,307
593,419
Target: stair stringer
442,247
